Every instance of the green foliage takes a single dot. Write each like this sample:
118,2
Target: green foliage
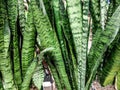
105,39
84,47
55,75
5,65
22,14
28,75
1,86
118,80
28,46
29,26
103,14
48,39
62,32
94,8
111,67
12,19
49,10
38,75
75,19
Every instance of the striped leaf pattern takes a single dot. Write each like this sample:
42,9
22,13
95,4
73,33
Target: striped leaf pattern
70,60
65,22
85,33
104,41
29,73
28,46
38,75
22,15
49,10
103,13
25,30
75,18
5,65
95,14
48,39
12,16
111,9
111,67
55,75
60,35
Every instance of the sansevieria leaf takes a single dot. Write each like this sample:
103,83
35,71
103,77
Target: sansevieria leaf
74,8
12,19
111,67
28,46
29,73
105,39
118,80
5,65
38,76
48,39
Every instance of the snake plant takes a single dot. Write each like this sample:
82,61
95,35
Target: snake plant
60,34
95,14
28,75
64,26
22,16
111,67
5,65
28,45
48,39
12,17
107,36
103,14
118,80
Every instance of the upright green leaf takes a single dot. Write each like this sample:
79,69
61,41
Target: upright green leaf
28,46
48,39
113,4
64,22
58,27
5,64
49,10
103,13
95,14
29,73
70,62
12,16
84,47
118,80
75,19
22,14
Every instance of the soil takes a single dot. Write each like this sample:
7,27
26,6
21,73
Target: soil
96,86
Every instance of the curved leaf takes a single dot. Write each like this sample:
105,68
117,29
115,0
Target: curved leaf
48,39
28,46
111,67
5,65
105,39
12,17
29,73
